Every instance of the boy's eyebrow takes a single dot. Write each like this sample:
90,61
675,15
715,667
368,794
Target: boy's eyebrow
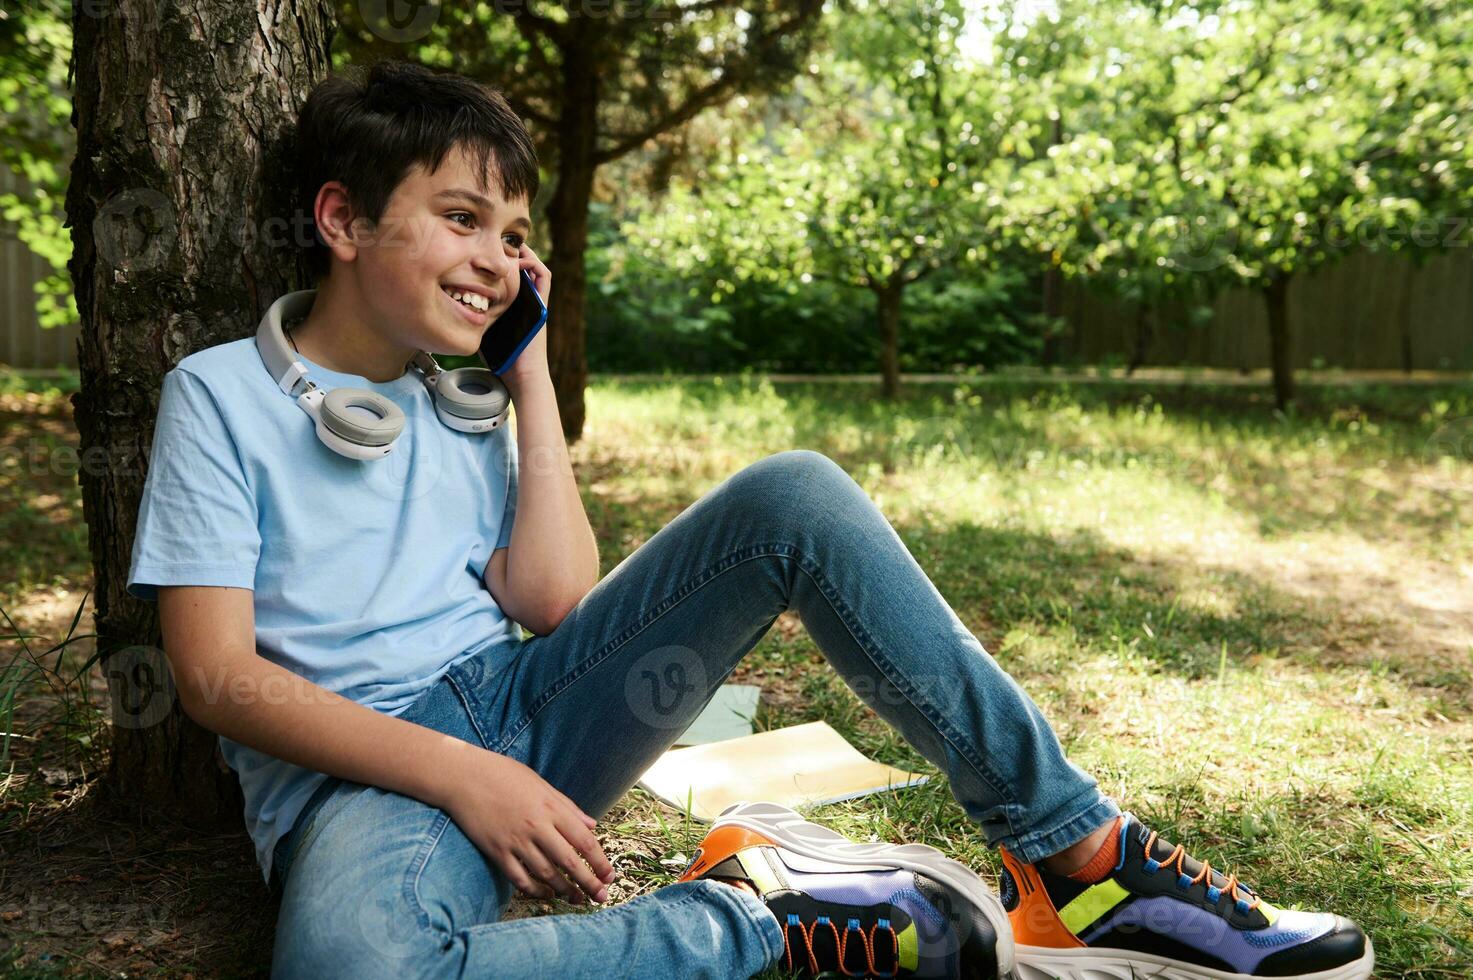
480,201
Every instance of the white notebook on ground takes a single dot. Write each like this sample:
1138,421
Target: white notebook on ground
796,766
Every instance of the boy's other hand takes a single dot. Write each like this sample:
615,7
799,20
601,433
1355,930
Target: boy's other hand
523,824
532,361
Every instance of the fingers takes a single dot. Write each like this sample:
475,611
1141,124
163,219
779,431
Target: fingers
587,845
539,271
559,845
512,867
546,871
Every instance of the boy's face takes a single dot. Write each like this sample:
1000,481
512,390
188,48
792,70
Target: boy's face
449,229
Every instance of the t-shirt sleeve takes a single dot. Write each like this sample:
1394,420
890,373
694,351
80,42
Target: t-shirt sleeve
197,521
503,536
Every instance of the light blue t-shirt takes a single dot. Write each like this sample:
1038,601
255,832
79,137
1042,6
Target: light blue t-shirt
367,574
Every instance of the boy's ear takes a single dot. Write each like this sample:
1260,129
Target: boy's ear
339,229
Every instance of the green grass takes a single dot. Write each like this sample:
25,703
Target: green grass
1254,628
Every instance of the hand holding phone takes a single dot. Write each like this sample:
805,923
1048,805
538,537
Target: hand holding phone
509,334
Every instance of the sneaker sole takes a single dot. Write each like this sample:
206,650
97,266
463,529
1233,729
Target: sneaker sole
1043,963
788,828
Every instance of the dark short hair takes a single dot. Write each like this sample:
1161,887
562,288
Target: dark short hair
369,129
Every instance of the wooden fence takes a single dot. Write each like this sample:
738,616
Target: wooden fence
1369,311
24,343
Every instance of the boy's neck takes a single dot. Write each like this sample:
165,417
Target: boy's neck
334,335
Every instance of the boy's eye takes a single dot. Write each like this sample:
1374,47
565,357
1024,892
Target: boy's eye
453,215
515,241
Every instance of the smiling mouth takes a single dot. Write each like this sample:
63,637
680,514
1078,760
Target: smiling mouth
476,312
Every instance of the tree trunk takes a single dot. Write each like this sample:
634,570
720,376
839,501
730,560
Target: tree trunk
1404,317
1053,296
178,202
889,313
1052,299
1145,331
1281,352
567,353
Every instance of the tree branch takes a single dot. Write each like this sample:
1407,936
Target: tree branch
732,75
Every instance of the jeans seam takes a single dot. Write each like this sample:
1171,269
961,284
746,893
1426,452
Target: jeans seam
655,613
416,869
470,712
1062,835
627,908
708,575
886,668
773,952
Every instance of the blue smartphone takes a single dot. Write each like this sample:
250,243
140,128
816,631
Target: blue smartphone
509,334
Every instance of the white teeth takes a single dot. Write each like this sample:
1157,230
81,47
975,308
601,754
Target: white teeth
474,300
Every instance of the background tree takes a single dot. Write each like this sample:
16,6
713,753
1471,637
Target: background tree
35,46
184,119
1107,202
596,82
1423,177
869,177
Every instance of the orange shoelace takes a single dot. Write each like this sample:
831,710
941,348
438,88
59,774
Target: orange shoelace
842,943
1178,859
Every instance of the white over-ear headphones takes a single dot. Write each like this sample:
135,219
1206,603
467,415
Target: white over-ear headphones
363,424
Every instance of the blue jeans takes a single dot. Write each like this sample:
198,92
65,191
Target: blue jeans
377,884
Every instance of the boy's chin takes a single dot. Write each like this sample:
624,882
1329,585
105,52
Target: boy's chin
457,346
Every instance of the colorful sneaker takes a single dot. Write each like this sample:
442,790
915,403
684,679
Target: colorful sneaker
856,909
1162,914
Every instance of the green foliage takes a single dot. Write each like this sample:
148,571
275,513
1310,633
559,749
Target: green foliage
654,307
1159,152
35,46
1206,145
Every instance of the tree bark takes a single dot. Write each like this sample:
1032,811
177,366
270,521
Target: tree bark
1145,332
567,212
181,205
888,297
1052,299
1404,317
1280,343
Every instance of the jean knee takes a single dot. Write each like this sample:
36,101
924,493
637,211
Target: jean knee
801,480
364,937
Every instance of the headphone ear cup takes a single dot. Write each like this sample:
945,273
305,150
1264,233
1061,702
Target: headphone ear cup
474,394
362,417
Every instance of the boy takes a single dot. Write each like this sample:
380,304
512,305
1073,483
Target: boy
351,629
